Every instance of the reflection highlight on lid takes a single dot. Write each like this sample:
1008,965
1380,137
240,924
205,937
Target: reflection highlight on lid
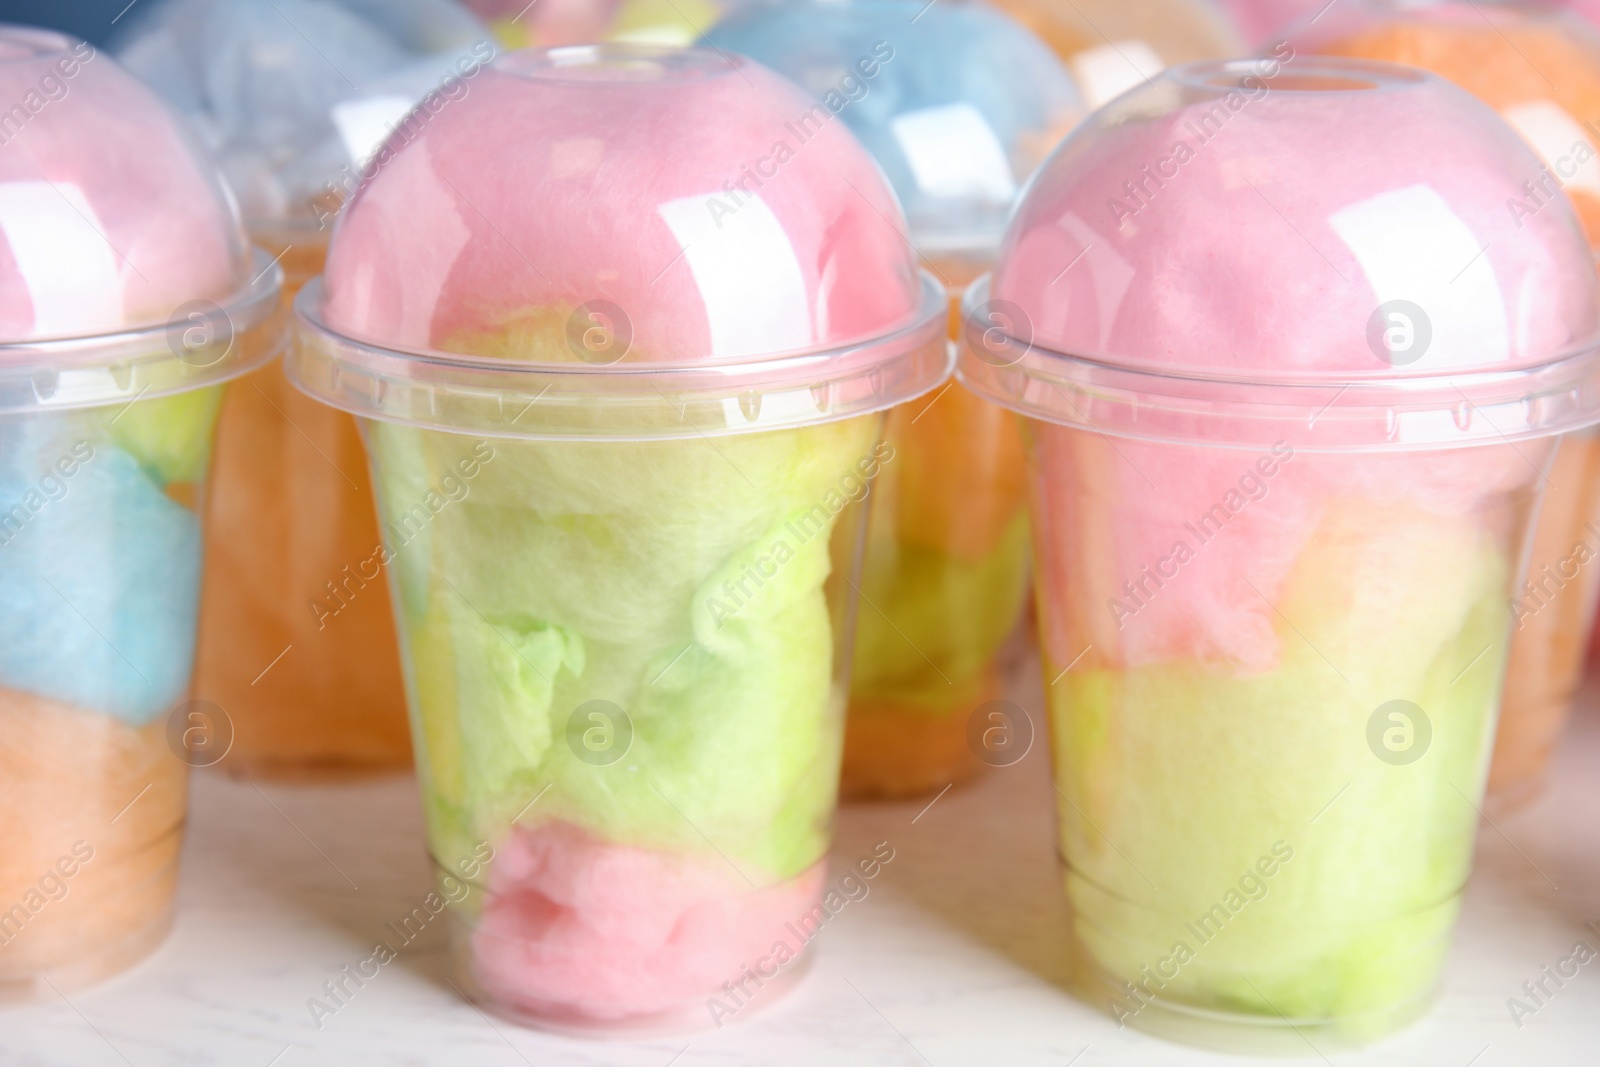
1106,72
67,266
954,152
747,273
1412,245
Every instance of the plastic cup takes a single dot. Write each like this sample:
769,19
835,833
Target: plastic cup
958,104
298,637
129,298
1112,46
1284,462
1553,614
1540,69
617,418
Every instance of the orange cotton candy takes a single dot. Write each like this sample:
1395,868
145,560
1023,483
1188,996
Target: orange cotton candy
956,487
91,820
289,511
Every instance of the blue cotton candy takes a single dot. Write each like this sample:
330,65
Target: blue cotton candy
957,102
99,572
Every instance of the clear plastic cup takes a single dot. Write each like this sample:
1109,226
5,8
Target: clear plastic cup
1112,46
1539,68
1553,614
127,297
1292,398
298,640
958,104
618,416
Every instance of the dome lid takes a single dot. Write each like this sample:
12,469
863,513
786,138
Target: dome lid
123,266
594,221
1240,235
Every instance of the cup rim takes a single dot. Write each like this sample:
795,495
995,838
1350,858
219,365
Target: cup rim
610,63
243,331
1337,412
1343,74
494,397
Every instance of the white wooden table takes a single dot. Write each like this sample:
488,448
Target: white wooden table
955,957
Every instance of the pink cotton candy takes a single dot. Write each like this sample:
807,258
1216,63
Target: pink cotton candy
587,931
109,215
1244,529
724,212
1210,612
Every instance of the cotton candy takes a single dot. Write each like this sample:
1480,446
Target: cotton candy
1227,626
458,241
1541,70
100,583
672,594
569,935
612,589
100,622
94,813
113,225
1203,298
291,97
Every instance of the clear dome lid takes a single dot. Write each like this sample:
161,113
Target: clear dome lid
958,102
1243,237
1537,65
594,223
114,226
1112,46
109,215
294,96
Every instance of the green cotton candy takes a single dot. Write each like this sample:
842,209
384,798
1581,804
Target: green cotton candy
682,582
930,624
507,675
1178,779
170,436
